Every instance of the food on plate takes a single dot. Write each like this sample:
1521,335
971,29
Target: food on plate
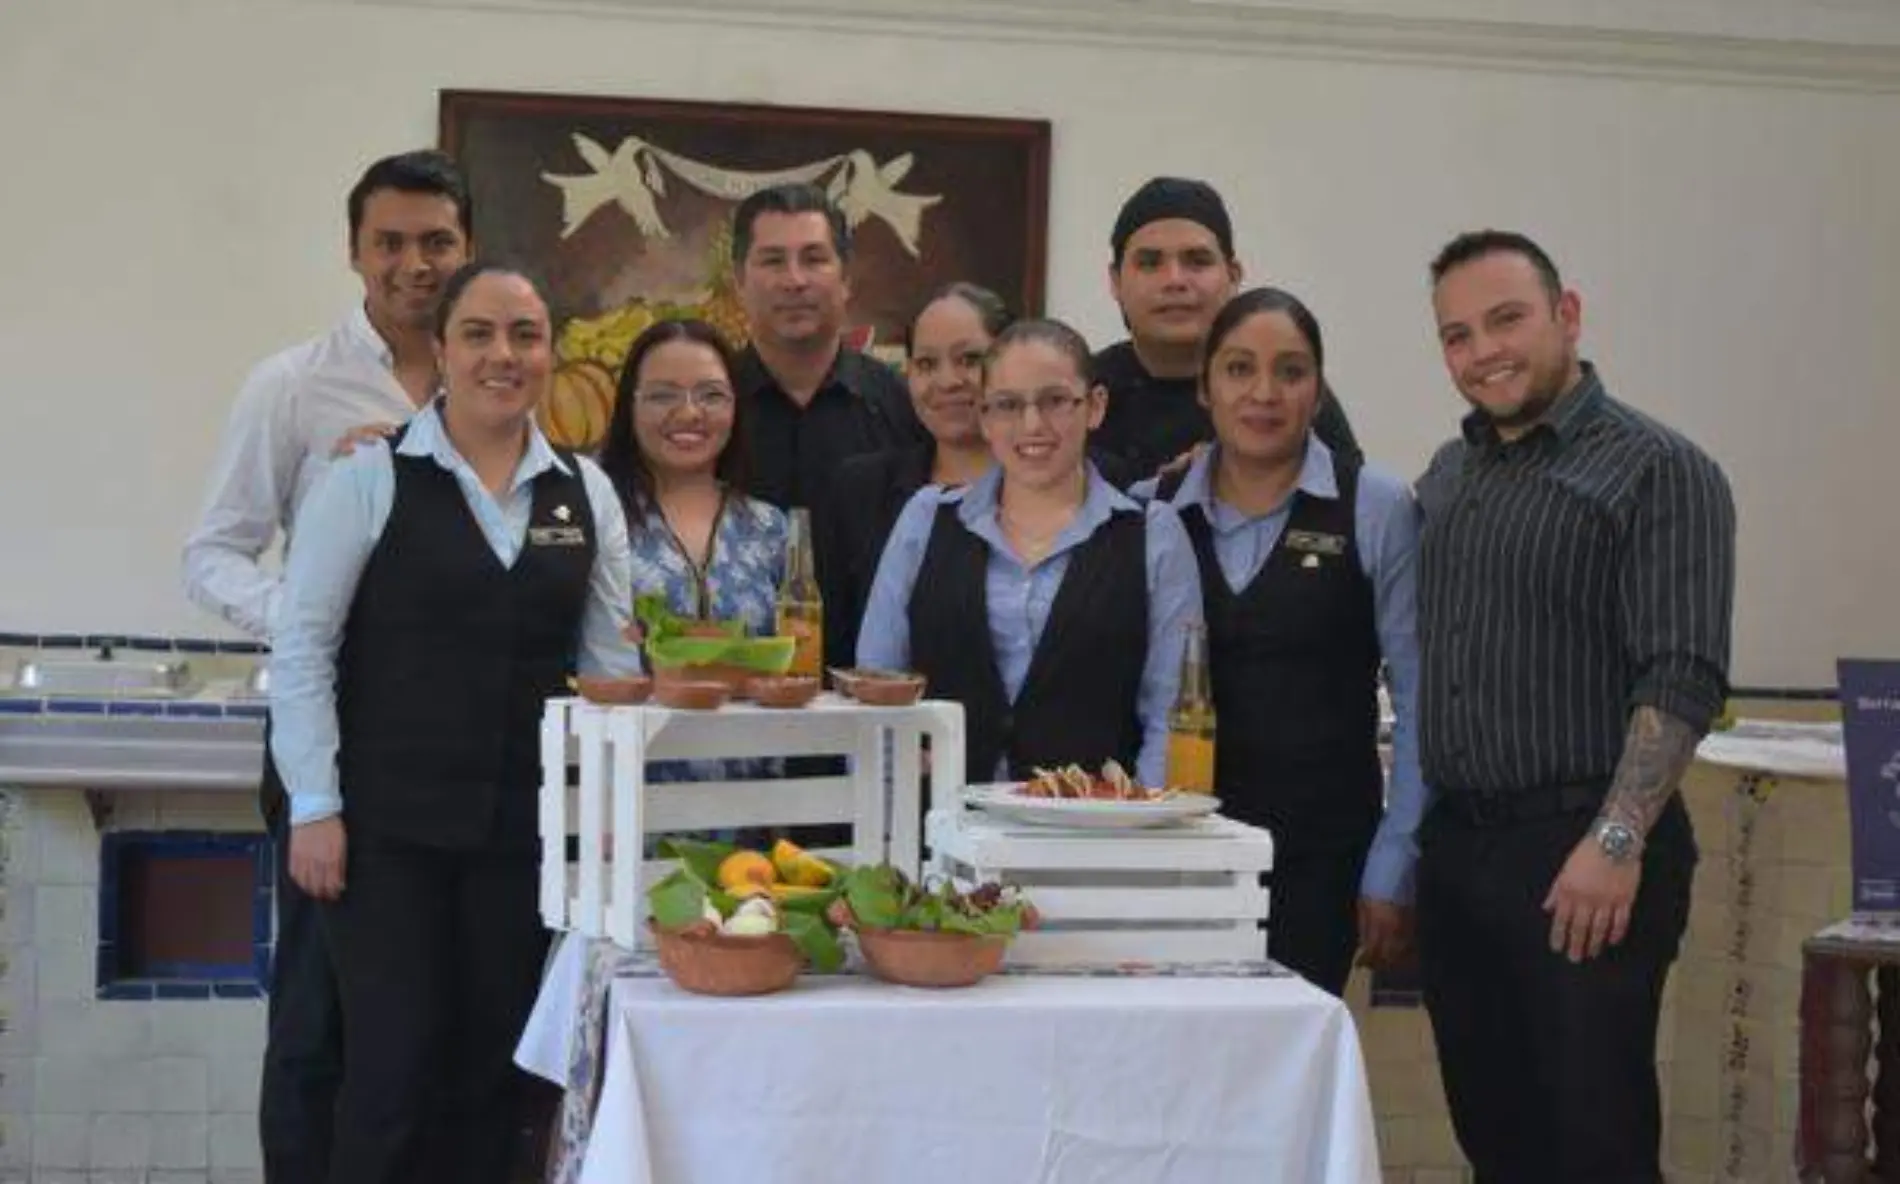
1075,783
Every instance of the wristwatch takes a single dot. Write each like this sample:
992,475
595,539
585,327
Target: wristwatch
1619,841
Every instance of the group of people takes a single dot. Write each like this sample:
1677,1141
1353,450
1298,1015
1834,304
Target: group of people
1032,525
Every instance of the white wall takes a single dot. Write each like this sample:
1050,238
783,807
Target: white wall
175,170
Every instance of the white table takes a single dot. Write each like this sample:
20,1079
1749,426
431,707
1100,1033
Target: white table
1023,1078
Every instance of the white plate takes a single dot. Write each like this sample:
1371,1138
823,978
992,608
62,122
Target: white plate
1086,813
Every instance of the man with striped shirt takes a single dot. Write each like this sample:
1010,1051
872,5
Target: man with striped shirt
1576,578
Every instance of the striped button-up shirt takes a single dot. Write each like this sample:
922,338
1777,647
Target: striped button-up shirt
1565,578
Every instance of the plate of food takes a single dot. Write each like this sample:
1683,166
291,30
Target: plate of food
1072,797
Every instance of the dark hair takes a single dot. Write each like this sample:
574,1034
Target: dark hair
426,171
989,308
468,273
1254,302
787,199
1046,331
620,456
1476,244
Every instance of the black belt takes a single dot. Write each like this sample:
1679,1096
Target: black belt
1507,807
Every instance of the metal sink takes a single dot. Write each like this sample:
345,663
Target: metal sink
103,677
120,752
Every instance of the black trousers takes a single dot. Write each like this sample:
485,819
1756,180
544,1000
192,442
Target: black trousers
303,1050
1313,913
439,954
1549,1067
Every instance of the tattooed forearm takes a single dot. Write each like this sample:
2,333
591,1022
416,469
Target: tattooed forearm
1656,753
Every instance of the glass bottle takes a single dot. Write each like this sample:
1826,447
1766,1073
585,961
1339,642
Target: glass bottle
1191,720
801,610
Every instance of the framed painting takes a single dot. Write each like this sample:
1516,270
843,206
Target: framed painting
624,208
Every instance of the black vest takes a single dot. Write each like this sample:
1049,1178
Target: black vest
448,658
1295,658
1077,703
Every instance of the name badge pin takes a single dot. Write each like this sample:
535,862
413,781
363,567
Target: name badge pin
562,513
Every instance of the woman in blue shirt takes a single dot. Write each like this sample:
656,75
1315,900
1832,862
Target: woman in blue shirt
1050,605
1307,569
441,586
674,451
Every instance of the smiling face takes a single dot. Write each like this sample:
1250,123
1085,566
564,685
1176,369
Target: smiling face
792,280
1038,412
406,246
683,408
1172,278
495,355
1510,347
945,370
1262,389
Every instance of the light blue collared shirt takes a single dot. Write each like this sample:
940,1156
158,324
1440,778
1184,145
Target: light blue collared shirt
1385,518
1020,597
337,529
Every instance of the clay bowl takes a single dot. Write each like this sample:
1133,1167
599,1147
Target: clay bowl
788,691
721,964
614,691
734,677
915,958
684,695
881,688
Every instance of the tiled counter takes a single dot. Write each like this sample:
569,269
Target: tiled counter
104,1078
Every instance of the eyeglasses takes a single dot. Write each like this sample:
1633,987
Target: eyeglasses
668,399
1051,406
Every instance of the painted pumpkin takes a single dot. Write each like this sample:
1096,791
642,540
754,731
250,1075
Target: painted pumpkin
578,405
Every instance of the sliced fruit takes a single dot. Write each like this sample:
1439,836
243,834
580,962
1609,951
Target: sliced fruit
795,865
745,867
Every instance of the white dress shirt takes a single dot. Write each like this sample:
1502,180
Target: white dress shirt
291,412
340,529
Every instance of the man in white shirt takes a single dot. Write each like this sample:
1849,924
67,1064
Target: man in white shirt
410,224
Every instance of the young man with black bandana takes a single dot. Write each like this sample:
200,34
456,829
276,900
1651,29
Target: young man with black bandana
1172,266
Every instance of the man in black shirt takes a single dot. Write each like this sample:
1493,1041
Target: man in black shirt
1171,268
811,402
1576,581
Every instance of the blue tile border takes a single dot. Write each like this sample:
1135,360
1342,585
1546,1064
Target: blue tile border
135,707
22,706
20,640
244,979
75,706
172,990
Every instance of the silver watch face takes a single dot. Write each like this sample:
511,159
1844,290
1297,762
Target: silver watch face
1618,841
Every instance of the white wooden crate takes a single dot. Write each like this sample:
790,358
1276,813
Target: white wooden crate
1188,893
594,789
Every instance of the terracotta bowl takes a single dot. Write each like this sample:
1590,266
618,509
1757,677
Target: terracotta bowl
735,678
916,958
789,690
706,695
720,964
614,691
887,690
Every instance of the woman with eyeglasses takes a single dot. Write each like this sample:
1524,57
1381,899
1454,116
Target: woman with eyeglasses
1050,605
674,452
944,351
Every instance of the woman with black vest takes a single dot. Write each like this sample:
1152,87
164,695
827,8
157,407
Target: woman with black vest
441,589
944,351
1307,569
1047,603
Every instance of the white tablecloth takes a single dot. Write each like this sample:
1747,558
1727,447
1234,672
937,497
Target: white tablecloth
1018,1080
1778,748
